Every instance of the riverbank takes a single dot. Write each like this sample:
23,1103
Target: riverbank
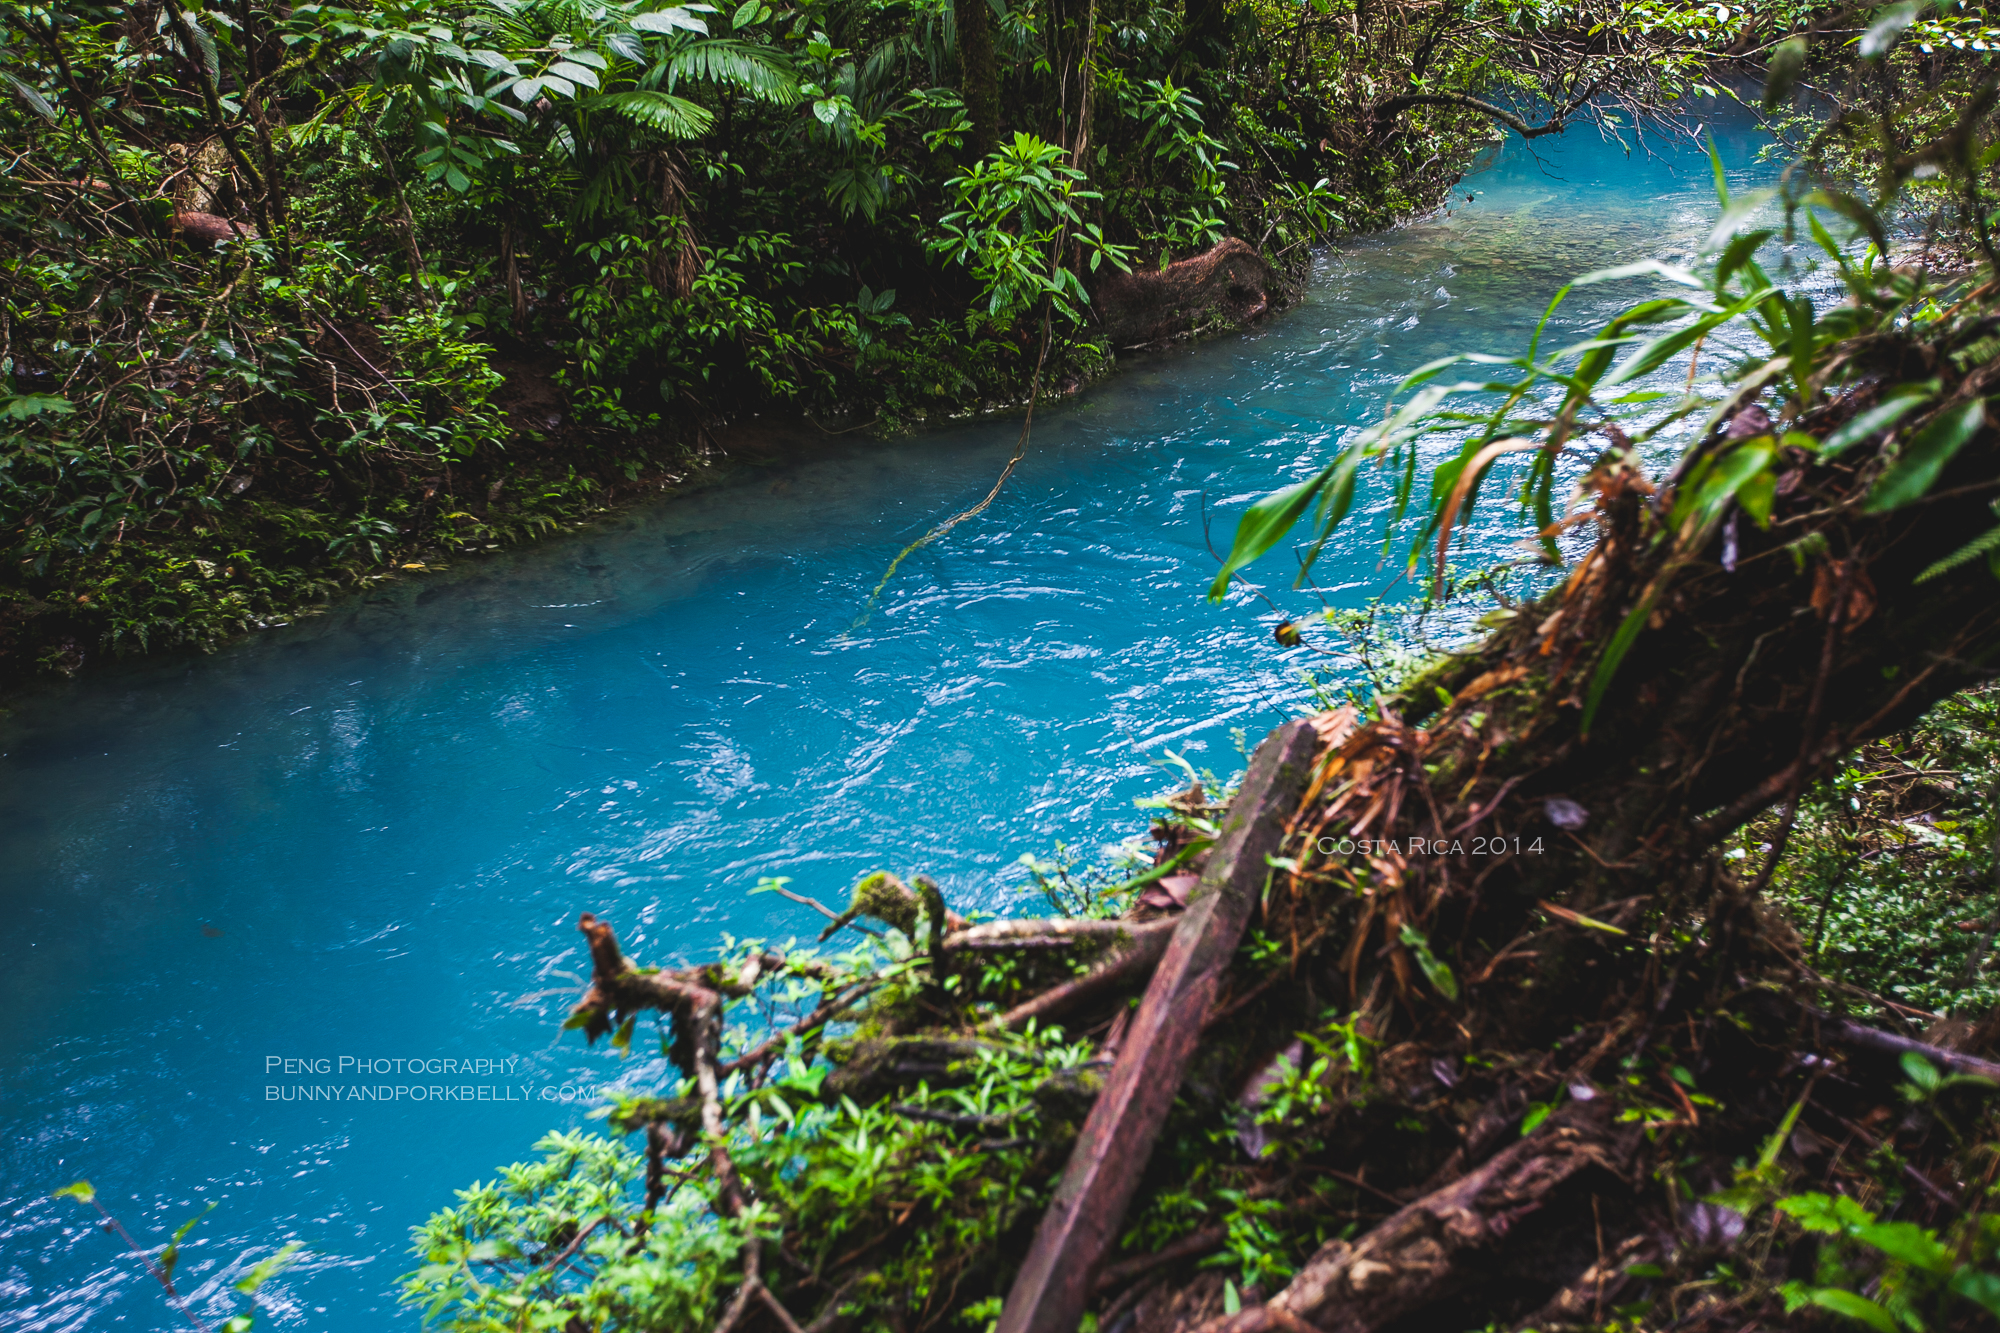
423,296
283,532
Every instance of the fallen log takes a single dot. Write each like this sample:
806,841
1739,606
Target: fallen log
1054,1283
1036,932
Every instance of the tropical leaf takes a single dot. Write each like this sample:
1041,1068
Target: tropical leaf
21,406
1265,523
27,93
1916,468
1864,424
1781,72
1651,356
664,112
1704,496
677,19
1854,1307
761,71
1981,1288
575,73
1907,1243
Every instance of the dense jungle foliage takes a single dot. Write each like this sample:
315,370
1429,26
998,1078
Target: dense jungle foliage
296,296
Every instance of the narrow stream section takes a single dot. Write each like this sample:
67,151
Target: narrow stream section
366,838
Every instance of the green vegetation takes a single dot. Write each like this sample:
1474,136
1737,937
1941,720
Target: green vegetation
297,295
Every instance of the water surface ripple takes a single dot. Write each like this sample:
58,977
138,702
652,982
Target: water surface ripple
369,835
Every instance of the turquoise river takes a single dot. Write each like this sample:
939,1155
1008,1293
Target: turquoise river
360,843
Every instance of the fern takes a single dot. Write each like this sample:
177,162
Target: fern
1983,544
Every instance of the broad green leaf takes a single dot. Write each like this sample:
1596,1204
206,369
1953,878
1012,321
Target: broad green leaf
1265,523
1335,501
1921,1071
1864,424
1709,491
1982,1289
1854,1307
1907,1243
669,20
1738,252
1651,356
19,407
1782,70
1756,496
27,93
80,1190
1923,456
569,69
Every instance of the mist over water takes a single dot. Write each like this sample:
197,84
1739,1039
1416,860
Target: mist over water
369,835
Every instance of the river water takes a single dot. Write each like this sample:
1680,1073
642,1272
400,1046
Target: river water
367,837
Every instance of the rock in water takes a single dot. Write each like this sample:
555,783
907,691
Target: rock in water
1230,279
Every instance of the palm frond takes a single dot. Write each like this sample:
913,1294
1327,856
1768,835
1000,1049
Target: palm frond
664,112
762,71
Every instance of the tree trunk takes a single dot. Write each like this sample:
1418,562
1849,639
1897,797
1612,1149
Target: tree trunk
980,81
